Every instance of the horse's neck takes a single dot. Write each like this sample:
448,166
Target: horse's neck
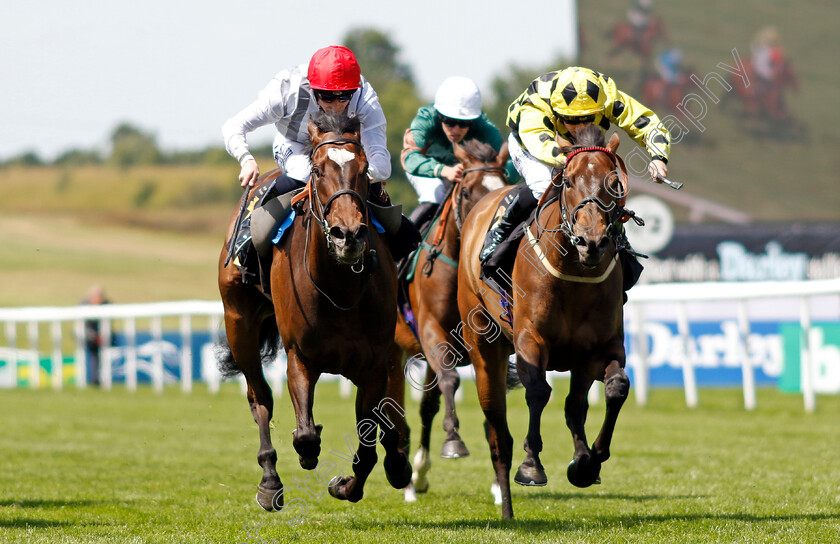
452,237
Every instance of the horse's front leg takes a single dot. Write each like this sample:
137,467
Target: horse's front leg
531,370
616,389
453,446
585,468
351,488
429,407
244,345
307,435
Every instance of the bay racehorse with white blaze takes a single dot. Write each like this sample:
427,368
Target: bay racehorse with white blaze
333,302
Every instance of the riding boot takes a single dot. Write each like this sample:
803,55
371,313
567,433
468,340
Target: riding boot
520,207
630,265
378,195
407,237
422,214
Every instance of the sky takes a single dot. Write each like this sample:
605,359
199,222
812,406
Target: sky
71,71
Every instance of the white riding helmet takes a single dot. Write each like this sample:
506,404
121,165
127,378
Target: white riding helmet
458,98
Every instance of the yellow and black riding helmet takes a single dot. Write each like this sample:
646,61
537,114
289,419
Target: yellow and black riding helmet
578,93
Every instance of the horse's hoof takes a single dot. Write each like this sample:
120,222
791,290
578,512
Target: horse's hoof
308,463
410,493
400,478
454,449
270,500
584,472
531,476
338,489
335,488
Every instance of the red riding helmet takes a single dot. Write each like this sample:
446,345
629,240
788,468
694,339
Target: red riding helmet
334,68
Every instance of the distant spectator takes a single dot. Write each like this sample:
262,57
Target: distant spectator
93,340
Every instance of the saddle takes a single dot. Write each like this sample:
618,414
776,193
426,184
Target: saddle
504,256
270,214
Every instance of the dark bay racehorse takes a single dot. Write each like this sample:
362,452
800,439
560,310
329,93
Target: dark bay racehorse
566,299
333,302
432,295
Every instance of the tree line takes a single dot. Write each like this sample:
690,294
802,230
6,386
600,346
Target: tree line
379,57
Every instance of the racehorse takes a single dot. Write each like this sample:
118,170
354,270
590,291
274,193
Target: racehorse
656,91
762,98
432,297
638,39
565,305
333,302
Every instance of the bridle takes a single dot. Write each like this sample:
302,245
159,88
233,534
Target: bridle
461,193
323,209
454,198
321,217
617,214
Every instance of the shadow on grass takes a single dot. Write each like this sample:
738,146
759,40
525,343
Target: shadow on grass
50,503
559,496
622,522
36,523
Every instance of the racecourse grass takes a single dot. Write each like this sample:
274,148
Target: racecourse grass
95,466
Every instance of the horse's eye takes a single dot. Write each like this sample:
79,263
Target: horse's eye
316,172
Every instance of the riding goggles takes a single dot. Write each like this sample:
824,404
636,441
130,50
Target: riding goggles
582,120
332,96
450,122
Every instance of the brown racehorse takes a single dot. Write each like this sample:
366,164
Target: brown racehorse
639,40
762,98
432,295
333,302
566,299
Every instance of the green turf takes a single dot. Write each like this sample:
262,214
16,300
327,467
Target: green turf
98,466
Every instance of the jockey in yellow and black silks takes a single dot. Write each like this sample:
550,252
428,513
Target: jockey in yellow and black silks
562,103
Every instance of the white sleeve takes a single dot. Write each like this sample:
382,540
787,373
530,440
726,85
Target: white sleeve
269,107
374,139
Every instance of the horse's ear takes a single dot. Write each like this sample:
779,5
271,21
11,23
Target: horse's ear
315,134
562,142
503,155
612,145
460,153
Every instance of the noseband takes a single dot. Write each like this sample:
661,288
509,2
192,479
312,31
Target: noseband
569,218
323,209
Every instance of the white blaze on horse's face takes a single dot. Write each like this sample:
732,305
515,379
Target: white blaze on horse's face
492,182
340,156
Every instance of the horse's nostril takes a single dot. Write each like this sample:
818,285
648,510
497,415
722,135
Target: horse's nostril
361,232
337,233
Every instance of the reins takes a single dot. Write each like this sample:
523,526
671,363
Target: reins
617,214
452,206
321,217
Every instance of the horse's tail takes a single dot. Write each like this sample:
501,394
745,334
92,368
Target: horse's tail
269,345
513,381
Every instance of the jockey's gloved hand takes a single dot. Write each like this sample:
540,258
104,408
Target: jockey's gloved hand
658,170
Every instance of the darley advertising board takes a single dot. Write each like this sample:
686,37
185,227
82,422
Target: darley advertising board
773,349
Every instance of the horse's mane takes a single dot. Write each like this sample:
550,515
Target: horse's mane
480,150
334,122
588,136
